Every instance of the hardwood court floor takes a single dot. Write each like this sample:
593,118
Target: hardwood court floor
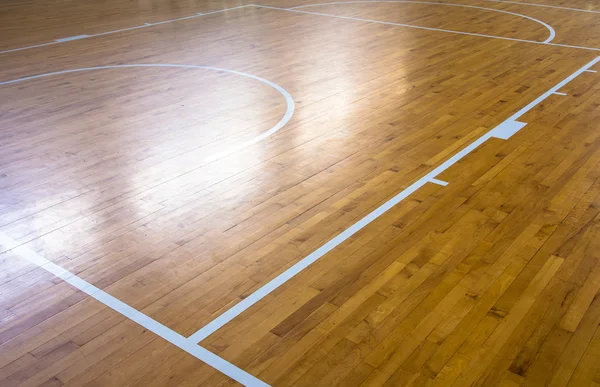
157,185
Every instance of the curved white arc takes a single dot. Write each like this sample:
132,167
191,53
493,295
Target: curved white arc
290,105
547,26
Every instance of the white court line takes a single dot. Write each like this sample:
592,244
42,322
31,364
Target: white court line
70,38
439,182
545,6
502,131
133,314
290,105
547,26
145,25
117,31
426,28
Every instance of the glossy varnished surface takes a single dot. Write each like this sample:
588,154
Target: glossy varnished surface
491,280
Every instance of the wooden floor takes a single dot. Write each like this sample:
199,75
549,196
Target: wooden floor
165,187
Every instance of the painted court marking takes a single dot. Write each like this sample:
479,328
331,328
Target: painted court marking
133,314
289,112
547,26
145,25
503,131
72,38
426,28
439,182
189,345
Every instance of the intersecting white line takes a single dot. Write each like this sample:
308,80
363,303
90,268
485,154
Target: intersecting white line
133,314
503,131
145,25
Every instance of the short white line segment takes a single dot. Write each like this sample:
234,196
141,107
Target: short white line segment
133,314
559,93
503,131
72,38
439,182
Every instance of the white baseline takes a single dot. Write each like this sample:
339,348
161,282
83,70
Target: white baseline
133,314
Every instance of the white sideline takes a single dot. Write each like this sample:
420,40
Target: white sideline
503,131
72,38
119,306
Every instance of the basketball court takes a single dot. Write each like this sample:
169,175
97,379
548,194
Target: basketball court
300,193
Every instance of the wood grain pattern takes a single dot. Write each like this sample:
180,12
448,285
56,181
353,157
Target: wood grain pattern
492,280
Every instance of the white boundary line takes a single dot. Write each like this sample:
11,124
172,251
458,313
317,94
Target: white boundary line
290,106
547,26
426,28
77,37
545,6
133,314
503,131
145,25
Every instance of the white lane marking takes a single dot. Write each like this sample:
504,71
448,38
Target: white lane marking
70,38
545,6
439,182
289,112
58,41
425,28
28,47
502,131
175,20
117,31
133,314
547,26
558,93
